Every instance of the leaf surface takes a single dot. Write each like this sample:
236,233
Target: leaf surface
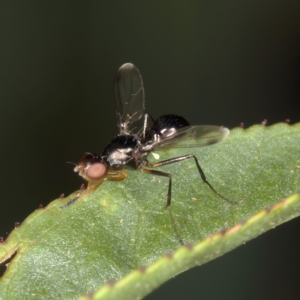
63,253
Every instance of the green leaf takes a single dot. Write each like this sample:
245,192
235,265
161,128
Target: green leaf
63,253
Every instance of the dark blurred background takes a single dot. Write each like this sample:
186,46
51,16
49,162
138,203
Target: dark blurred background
214,62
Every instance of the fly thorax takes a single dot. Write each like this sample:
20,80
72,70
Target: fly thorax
120,156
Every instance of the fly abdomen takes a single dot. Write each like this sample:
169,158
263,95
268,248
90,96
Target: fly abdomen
164,127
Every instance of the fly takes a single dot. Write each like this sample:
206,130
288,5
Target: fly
132,146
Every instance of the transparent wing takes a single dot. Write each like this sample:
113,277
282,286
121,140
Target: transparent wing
192,136
129,96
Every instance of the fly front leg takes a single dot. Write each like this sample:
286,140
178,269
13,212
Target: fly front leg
116,175
184,157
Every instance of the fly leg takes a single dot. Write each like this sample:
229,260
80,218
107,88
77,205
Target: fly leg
173,223
116,175
112,175
146,120
202,175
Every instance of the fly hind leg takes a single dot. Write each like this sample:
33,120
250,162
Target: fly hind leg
202,175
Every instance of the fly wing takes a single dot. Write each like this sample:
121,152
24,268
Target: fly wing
129,96
192,136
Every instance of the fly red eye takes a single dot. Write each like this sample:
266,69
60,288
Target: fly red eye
90,167
95,171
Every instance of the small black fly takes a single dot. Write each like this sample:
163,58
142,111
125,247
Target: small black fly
168,131
132,147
